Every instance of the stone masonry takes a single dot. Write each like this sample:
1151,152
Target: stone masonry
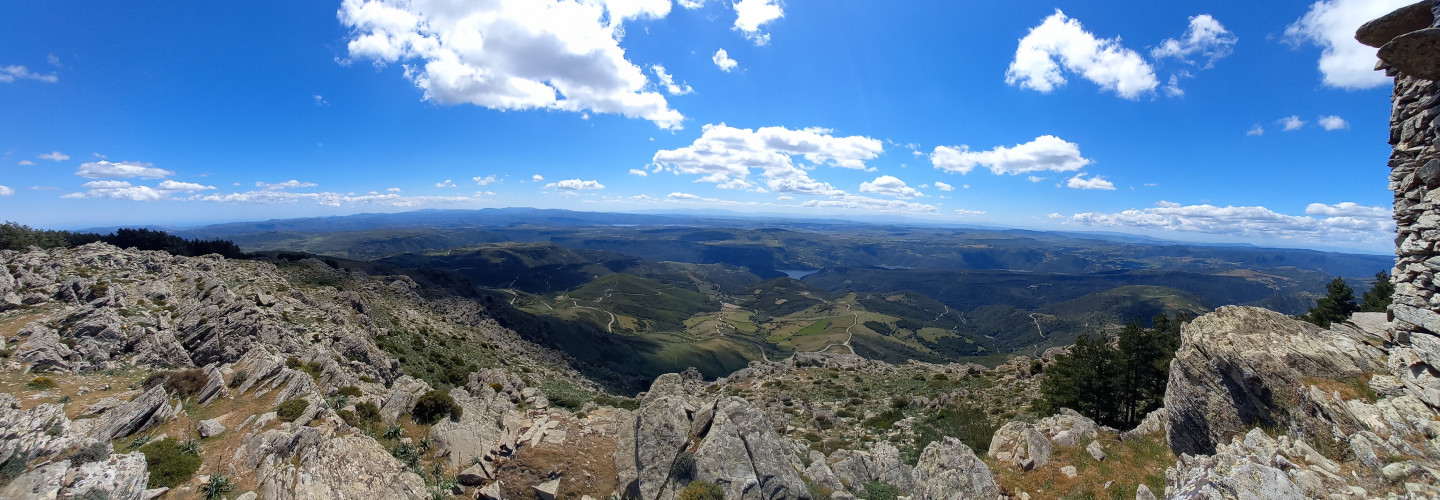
1409,43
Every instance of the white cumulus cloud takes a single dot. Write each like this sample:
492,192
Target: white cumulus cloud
1289,123
1333,123
575,185
668,81
447,183
890,185
1331,24
1324,224
723,61
9,74
105,169
513,54
1205,37
169,185
1080,182
6,191
641,173
54,156
290,184
1256,130
682,196
1061,43
751,16
1046,153
723,154
943,186
537,177
487,180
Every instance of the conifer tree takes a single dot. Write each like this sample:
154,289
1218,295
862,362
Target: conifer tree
1337,304
1379,296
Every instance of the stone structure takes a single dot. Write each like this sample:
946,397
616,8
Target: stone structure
1409,43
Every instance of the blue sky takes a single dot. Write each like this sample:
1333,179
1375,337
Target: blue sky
1235,121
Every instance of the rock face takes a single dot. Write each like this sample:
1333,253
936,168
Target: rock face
481,427
1029,446
743,454
1237,368
340,468
145,410
1409,39
948,470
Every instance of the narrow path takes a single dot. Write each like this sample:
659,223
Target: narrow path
1037,325
947,311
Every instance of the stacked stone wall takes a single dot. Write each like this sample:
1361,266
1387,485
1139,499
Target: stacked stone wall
1409,49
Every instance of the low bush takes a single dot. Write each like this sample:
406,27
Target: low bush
186,382
41,383
93,453
169,464
683,468
702,490
433,405
349,391
291,410
239,378
876,490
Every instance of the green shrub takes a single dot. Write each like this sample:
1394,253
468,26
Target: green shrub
168,463
13,467
349,391
239,378
702,490
154,379
367,413
291,410
876,490
433,405
218,485
41,383
293,363
393,432
683,468
186,382
93,453
885,420
96,494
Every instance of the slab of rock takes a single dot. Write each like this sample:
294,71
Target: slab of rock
42,349
746,457
1382,30
660,429
41,482
145,410
1233,366
1069,471
1143,493
337,468
211,427
1021,446
949,470
123,476
474,475
1095,451
1416,54
492,491
479,431
547,489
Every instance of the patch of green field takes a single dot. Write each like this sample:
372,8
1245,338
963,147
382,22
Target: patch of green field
815,328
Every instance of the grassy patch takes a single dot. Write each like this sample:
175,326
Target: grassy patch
1128,465
169,462
1349,387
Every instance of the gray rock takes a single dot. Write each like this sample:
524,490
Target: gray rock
746,457
1095,451
123,476
1416,54
479,431
209,428
1230,364
1019,445
547,489
1382,30
492,491
1154,423
340,468
214,386
1143,493
949,470
43,482
474,475
660,430
147,409
403,394
42,349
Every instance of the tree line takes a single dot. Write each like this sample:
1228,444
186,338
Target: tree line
15,236
1339,303
1115,379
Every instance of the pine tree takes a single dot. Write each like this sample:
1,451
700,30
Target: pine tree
1115,380
1379,296
1337,304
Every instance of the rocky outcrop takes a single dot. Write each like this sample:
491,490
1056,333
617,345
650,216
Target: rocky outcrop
949,470
148,409
1239,367
37,432
743,454
1027,446
660,430
122,476
481,429
339,468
